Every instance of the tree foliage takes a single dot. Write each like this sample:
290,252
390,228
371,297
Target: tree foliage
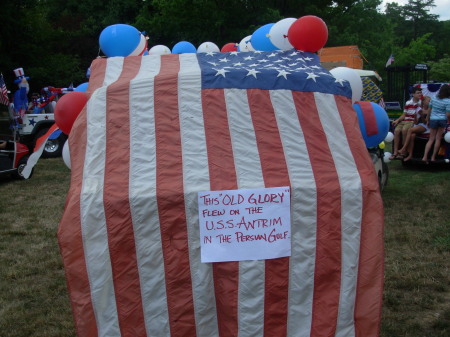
440,70
55,41
416,52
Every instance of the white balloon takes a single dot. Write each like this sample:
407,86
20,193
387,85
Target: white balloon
278,33
66,154
350,75
447,137
207,47
386,157
159,50
389,137
246,44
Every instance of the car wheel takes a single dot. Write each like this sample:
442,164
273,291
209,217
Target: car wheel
53,147
20,167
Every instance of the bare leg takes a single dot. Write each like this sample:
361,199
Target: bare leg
404,134
406,141
429,144
437,143
412,132
396,141
410,147
417,130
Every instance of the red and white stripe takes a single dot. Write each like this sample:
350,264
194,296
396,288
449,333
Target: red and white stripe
149,139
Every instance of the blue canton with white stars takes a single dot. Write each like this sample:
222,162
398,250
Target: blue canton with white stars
289,70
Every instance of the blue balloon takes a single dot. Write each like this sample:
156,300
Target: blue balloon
184,47
374,124
260,39
119,40
82,87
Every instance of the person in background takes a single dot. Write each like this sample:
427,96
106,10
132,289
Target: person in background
420,127
20,96
437,121
406,121
2,145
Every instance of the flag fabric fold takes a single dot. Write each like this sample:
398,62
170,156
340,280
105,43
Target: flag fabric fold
160,128
390,60
37,152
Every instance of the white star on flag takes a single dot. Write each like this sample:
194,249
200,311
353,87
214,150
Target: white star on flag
283,73
340,81
221,72
252,72
312,76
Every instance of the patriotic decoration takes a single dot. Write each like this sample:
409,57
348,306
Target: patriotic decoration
3,91
390,60
38,150
371,92
430,89
159,129
20,74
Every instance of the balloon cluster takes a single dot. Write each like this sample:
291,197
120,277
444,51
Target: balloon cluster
308,33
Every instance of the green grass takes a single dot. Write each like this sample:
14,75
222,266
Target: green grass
33,294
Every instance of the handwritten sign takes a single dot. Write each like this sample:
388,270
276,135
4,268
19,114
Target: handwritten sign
250,224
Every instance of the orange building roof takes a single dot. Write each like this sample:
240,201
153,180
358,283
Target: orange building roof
348,56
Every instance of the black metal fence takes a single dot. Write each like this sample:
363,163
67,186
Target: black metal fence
400,80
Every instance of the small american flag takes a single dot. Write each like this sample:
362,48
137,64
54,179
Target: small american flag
390,60
3,91
159,129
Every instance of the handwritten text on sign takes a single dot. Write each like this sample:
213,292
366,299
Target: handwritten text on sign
251,224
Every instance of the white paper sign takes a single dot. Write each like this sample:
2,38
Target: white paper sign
251,224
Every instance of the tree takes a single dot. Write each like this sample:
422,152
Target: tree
440,70
361,24
170,21
412,20
417,12
418,51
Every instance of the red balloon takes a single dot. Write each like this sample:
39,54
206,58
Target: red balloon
232,46
309,33
68,108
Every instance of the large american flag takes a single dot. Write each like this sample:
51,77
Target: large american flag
3,91
159,129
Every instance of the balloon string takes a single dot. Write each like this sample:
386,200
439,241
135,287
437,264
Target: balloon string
285,36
